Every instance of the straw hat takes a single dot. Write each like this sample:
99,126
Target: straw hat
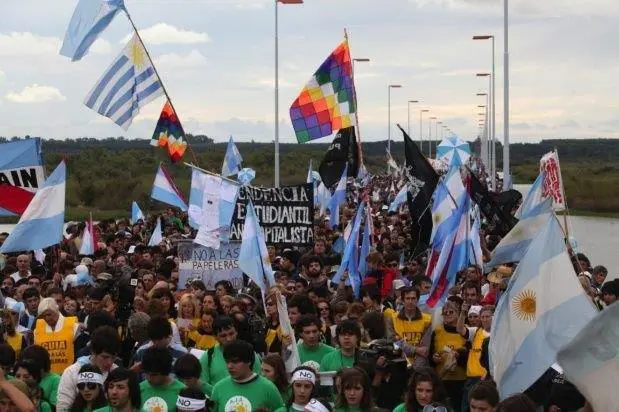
500,274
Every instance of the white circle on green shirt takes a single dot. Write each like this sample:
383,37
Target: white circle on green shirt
238,404
155,404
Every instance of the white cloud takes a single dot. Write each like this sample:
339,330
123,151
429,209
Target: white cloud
36,94
162,33
101,46
28,44
194,59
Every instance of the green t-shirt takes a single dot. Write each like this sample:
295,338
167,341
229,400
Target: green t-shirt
290,408
44,407
348,409
49,387
335,361
400,408
104,409
313,356
259,392
217,369
154,397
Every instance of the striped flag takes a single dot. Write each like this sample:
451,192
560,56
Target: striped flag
41,223
164,190
128,84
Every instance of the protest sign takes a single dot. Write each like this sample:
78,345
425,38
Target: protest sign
209,265
285,214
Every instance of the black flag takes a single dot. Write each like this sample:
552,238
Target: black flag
501,221
422,180
344,149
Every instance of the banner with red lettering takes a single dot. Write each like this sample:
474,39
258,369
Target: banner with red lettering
21,175
553,182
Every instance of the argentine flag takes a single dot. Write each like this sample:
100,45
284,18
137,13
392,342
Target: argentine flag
232,160
254,256
543,309
157,235
136,212
41,223
338,197
165,191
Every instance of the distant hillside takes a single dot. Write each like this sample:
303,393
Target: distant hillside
108,174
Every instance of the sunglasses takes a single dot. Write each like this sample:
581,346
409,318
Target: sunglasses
449,312
432,408
90,385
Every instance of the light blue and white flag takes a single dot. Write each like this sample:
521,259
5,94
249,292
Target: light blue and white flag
136,212
254,256
157,235
218,203
232,160
246,175
42,222
591,360
515,244
338,197
128,84
90,18
88,247
164,190
476,256
196,197
324,195
351,255
534,204
366,244
400,198
542,310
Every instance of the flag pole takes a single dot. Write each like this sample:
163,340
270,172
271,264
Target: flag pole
354,94
211,173
137,33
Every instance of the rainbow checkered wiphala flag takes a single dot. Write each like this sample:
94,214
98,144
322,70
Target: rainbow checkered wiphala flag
326,104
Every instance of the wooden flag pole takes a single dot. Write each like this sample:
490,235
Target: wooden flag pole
354,94
212,173
137,33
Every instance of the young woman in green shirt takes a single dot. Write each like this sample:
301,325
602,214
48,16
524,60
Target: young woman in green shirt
91,394
355,392
303,386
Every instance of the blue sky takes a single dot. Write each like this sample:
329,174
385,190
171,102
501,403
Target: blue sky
216,60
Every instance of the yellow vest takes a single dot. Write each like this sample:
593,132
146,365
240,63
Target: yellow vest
473,364
411,330
59,344
455,341
272,336
203,342
15,342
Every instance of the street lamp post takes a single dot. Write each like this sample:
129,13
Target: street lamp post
409,115
276,177
490,126
421,112
430,136
484,138
492,105
391,86
506,173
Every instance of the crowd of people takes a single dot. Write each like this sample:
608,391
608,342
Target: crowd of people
116,331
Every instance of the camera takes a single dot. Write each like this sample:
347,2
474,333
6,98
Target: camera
378,348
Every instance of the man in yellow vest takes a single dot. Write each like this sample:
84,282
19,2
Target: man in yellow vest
475,372
413,328
56,334
11,335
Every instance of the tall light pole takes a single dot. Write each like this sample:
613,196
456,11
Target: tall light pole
485,134
492,105
276,177
409,115
430,136
436,129
506,173
391,86
484,137
492,159
421,112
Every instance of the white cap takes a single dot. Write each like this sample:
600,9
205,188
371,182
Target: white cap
398,284
475,309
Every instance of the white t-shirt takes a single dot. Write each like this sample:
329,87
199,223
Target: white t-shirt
16,276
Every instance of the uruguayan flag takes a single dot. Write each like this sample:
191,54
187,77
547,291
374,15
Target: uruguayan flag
254,256
128,84
339,197
136,212
591,360
157,235
41,223
543,309
164,190
232,160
